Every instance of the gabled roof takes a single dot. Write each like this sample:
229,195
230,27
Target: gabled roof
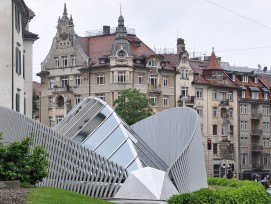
213,64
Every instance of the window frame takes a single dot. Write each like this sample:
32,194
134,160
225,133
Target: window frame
100,78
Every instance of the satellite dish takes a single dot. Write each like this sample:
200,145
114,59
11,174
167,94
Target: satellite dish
264,69
259,66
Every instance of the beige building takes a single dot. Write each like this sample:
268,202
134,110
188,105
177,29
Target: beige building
102,64
205,86
16,56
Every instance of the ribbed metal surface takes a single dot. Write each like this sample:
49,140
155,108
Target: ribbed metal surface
175,136
71,166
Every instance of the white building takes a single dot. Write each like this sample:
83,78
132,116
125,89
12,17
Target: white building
16,56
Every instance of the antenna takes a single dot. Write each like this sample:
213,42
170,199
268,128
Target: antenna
264,69
120,10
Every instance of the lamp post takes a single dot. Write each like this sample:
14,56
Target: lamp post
184,99
89,67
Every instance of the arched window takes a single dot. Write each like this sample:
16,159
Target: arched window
60,102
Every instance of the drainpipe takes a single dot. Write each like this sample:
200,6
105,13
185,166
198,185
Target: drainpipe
175,75
12,57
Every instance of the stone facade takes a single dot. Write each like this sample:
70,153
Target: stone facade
102,65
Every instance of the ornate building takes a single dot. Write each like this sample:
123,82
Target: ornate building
102,65
205,86
16,56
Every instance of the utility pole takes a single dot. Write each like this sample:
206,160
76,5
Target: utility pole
89,67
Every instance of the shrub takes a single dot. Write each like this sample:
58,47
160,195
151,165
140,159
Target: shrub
247,192
20,162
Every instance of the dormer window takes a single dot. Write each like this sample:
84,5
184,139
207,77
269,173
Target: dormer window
138,61
73,60
256,80
233,77
184,73
243,94
152,63
102,61
254,95
244,78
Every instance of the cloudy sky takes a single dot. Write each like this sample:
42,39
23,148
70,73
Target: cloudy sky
239,31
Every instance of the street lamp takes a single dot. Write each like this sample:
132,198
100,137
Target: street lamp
184,99
89,67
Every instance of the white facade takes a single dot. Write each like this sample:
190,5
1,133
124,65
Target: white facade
16,57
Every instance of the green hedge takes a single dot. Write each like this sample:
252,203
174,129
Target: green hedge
239,192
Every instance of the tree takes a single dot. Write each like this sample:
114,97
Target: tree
35,103
133,106
20,162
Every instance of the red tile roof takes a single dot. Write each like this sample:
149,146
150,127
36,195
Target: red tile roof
99,46
36,86
172,60
213,64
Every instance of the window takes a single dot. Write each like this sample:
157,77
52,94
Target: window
56,62
52,83
219,76
230,96
153,80
243,125
60,102
244,78
214,129
23,66
77,99
65,81
165,81
17,19
18,61
243,109
121,77
244,158
214,148
50,102
73,60
256,81
265,96
265,110
231,129
214,94
153,99
266,126
101,78
224,130
266,159
244,142
230,111
101,96
243,94
65,61
233,77
222,96
59,118
50,121
199,110
266,142
199,93
18,102
254,95
184,73
77,80
151,63
140,78
214,112
165,101
184,91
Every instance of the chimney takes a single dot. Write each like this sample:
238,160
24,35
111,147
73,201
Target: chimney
106,30
180,46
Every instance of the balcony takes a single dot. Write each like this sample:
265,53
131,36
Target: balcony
226,150
256,116
154,89
188,99
224,102
256,147
256,132
62,89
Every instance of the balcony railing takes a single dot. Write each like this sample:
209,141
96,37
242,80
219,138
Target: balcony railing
256,116
256,147
62,89
224,102
154,88
188,99
256,132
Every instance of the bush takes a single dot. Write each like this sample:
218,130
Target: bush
20,162
247,192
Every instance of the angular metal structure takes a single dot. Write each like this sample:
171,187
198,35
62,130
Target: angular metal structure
92,150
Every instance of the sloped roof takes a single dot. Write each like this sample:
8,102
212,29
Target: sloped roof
36,86
213,64
172,59
99,46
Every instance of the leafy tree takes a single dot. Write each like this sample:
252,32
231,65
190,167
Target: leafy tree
20,162
35,103
133,106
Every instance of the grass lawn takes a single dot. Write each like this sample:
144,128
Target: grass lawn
45,195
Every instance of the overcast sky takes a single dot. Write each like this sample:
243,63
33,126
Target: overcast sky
239,31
